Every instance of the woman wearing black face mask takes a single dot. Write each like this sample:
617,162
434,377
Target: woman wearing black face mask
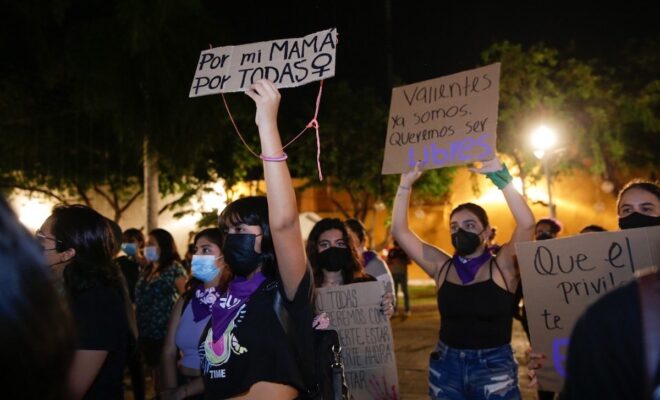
609,343
638,205
475,292
334,258
245,353
333,255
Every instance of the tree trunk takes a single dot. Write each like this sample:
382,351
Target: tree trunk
150,187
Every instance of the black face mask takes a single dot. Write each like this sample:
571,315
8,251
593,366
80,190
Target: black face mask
239,253
545,236
637,220
334,258
465,242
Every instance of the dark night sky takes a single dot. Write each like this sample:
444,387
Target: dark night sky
426,39
430,39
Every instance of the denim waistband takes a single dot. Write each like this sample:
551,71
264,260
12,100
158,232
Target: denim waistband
445,350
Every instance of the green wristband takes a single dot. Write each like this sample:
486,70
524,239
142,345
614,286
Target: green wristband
500,178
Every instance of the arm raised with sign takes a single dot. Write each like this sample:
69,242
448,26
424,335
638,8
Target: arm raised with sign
471,284
283,215
427,256
522,214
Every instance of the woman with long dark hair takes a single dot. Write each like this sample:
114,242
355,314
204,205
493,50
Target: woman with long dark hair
190,315
79,246
36,333
246,353
156,291
475,292
333,255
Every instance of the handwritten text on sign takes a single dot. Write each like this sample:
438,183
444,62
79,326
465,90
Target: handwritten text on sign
365,335
285,62
562,277
445,121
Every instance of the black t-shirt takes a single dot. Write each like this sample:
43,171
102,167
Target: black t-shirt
606,352
257,349
102,324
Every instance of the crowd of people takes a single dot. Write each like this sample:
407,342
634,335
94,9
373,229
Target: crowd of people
83,302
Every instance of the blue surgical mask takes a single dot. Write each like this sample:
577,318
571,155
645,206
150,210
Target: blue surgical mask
203,267
129,248
151,253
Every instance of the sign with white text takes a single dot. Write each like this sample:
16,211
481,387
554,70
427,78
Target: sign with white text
365,336
445,121
285,62
562,277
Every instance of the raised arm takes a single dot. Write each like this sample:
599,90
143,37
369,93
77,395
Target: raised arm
522,214
282,206
429,257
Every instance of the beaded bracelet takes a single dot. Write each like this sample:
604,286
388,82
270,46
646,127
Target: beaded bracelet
283,157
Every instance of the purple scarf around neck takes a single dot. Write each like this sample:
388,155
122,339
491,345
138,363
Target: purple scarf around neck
202,300
467,269
238,293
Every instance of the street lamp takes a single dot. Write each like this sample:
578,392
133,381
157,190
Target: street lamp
543,140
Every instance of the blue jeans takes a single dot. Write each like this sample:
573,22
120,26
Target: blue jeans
456,374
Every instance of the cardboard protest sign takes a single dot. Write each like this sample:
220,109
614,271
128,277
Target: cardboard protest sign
561,277
286,62
365,336
446,121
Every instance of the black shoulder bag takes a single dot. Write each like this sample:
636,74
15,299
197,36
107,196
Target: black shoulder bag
325,380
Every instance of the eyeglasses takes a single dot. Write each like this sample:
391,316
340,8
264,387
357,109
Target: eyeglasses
41,239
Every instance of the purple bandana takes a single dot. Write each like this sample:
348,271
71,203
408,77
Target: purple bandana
224,310
467,269
202,301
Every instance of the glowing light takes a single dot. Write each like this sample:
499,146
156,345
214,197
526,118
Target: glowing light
32,211
379,205
533,193
543,139
607,186
539,154
185,221
213,197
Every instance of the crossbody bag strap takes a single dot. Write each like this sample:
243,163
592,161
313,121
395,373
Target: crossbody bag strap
284,318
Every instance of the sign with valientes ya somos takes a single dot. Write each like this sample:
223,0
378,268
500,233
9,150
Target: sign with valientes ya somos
562,277
285,62
442,122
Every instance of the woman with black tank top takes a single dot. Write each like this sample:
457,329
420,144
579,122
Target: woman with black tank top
473,358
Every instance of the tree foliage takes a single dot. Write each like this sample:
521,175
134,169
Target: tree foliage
88,81
85,82
600,113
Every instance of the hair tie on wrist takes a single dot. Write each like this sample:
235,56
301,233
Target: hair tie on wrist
283,157
404,187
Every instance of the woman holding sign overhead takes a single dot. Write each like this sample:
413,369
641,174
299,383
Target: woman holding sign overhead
245,352
473,358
